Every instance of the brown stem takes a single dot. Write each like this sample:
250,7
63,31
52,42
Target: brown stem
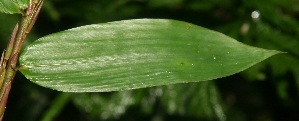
10,56
4,100
7,53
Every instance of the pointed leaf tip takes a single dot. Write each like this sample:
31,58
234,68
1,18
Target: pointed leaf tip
134,54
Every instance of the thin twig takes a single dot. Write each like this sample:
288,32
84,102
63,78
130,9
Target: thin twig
10,57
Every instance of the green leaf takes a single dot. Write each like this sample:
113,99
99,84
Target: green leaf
134,54
13,6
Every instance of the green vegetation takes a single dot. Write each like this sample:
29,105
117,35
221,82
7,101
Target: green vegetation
266,91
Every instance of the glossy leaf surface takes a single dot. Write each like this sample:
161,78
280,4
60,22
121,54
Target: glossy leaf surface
13,6
134,54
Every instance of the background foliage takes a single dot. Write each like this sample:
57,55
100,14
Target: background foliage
267,91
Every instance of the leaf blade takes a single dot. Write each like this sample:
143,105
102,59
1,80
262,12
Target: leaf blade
13,6
133,54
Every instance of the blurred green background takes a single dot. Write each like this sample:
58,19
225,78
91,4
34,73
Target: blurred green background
267,91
